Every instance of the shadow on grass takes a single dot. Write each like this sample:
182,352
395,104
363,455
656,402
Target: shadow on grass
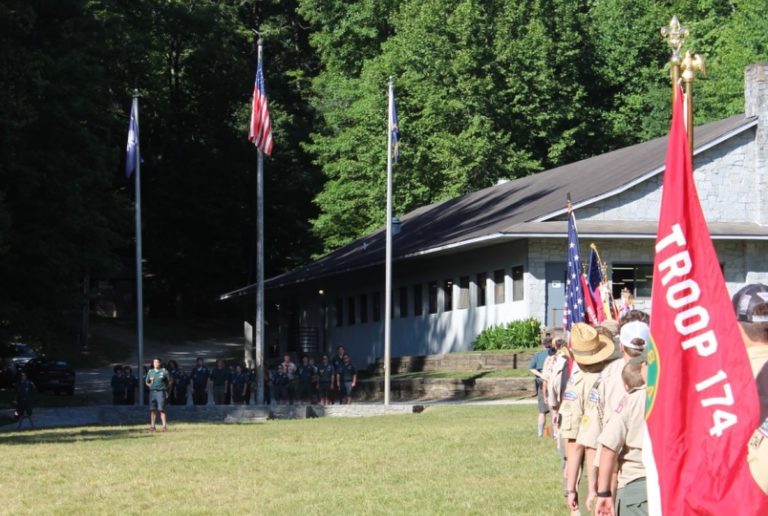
74,435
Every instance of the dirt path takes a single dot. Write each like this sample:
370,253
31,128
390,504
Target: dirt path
95,381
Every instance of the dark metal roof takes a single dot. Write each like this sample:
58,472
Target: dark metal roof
500,211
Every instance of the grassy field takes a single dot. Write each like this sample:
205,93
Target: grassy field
447,460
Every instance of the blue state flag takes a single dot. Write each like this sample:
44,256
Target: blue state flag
395,135
132,147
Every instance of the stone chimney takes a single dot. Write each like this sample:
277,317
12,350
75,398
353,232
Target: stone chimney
756,104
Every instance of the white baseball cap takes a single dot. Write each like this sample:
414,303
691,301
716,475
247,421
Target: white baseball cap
634,330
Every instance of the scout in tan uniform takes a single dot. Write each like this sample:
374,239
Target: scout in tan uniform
623,436
609,390
555,377
589,350
751,306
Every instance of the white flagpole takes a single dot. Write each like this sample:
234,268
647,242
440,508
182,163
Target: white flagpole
258,328
139,273
388,258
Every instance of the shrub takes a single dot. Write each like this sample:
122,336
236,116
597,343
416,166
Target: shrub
525,333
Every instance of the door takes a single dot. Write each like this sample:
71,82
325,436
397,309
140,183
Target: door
555,275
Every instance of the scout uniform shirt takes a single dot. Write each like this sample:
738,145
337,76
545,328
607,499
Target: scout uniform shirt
604,396
556,381
158,379
575,395
624,432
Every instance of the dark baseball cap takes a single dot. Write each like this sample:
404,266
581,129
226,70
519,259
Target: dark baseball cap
747,300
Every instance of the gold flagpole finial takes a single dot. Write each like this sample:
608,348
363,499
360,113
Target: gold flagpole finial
675,33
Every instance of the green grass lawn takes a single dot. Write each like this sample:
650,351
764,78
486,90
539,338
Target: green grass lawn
447,460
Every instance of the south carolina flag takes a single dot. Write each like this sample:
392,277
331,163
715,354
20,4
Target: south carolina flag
702,399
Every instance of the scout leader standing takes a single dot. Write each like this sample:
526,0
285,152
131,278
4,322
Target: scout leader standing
590,352
158,380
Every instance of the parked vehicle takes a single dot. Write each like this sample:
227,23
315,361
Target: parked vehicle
13,357
51,375
21,354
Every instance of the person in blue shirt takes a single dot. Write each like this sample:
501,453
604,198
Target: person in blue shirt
536,367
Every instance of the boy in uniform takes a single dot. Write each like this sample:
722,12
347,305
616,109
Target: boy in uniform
337,361
200,375
118,386
622,439
325,374
590,351
304,374
158,381
347,378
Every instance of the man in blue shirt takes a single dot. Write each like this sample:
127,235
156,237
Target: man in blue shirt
536,366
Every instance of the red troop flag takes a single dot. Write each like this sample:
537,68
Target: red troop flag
702,400
260,130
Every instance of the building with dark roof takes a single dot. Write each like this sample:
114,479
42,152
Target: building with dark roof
498,254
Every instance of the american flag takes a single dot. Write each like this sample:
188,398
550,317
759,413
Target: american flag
260,132
574,295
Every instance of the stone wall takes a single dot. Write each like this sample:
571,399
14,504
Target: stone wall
725,180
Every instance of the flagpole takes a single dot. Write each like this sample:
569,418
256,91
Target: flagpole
139,273
690,65
258,329
388,258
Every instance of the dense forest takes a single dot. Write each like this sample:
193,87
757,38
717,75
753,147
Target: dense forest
487,89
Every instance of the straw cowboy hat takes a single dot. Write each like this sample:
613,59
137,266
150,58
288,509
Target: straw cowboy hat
589,347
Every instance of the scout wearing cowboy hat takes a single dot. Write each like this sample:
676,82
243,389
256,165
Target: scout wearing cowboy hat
590,351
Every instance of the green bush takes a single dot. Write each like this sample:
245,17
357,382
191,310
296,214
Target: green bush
525,333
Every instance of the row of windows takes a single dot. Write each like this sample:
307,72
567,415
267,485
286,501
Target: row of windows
400,301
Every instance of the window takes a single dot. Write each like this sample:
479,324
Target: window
363,308
448,295
433,297
418,302
482,280
637,278
376,297
339,312
517,283
351,311
463,292
403,301
498,288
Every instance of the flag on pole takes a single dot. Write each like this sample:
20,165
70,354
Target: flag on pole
702,404
260,132
131,149
594,287
574,294
395,130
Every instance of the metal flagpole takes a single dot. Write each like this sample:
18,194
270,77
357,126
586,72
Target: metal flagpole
258,328
139,273
388,258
